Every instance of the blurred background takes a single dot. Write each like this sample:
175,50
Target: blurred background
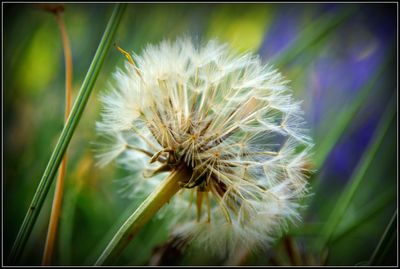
340,59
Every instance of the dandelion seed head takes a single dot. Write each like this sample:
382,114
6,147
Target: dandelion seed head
228,119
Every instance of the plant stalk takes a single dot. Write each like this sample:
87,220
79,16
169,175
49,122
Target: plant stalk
387,240
59,191
160,196
292,251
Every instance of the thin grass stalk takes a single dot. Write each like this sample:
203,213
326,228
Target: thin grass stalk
292,251
387,239
357,176
59,191
66,135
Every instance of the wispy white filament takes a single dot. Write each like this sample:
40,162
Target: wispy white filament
229,119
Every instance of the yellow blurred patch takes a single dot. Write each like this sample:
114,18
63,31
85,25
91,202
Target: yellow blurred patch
243,27
41,61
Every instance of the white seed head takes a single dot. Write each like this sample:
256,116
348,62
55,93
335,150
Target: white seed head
227,118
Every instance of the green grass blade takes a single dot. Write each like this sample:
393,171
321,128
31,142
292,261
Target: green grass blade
375,207
388,238
358,175
66,135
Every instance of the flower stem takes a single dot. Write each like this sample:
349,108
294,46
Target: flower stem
58,195
167,189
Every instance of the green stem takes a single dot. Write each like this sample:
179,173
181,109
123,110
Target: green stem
387,240
66,135
168,188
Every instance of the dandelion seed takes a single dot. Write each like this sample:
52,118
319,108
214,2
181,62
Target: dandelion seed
226,118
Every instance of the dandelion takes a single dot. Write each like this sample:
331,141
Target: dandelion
227,125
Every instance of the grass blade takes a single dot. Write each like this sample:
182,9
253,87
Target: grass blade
387,239
375,207
66,135
358,175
